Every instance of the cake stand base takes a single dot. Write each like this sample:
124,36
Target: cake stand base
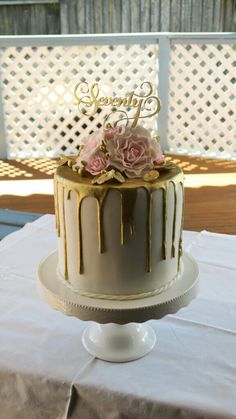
118,336
119,343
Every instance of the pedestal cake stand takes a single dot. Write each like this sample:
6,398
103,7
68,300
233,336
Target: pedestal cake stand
119,334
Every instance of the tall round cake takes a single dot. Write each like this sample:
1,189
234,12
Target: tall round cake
119,212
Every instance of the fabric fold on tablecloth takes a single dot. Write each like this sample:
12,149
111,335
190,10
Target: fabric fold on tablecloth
73,400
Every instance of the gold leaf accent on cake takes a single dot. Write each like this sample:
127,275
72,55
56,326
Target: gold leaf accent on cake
151,176
108,175
118,176
79,169
66,160
75,168
166,165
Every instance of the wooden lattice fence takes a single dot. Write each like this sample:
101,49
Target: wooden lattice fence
194,78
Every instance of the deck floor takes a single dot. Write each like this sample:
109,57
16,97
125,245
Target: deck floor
210,191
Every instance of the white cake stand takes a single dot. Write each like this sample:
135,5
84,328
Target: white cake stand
119,334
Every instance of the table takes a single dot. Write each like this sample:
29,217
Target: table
45,372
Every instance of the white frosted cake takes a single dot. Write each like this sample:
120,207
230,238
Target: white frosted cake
119,211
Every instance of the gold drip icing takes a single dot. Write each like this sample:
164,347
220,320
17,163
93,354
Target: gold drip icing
149,230
132,229
180,252
128,200
64,234
100,227
56,207
68,194
80,243
100,197
164,222
128,192
174,220
122,226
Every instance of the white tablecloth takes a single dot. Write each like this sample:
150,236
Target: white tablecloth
46,373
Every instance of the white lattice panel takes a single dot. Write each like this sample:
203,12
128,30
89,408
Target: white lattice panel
202,106
41,118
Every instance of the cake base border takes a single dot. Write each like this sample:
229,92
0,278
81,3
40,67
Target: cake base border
121,297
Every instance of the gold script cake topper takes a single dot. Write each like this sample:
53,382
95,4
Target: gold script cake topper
145,105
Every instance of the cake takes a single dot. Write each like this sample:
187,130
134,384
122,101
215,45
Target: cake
119,212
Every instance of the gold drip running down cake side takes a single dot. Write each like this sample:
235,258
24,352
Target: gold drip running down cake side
119,233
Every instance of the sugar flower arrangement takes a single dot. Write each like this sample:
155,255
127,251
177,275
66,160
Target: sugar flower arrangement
119,153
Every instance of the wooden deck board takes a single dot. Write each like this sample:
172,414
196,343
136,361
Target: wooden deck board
210,208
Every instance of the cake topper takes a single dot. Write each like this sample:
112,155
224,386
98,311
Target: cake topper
145,105
122,151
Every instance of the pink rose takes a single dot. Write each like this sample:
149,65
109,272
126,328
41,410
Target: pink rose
91,157
159,160
96,163
130,150
109,133
133,151
90,145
